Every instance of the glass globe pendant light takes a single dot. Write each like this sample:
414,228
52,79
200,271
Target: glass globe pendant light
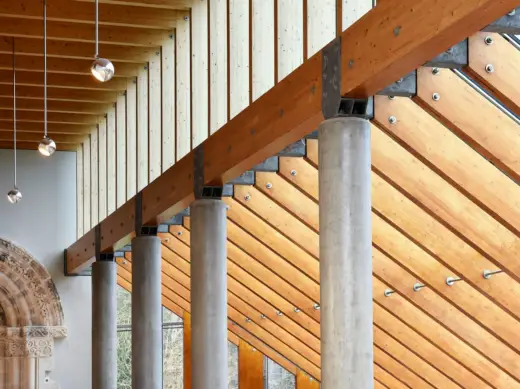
102,69
14,194
47,146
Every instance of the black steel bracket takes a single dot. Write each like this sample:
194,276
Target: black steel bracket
456,57
140,229
200,189
404,87
507,24
332,103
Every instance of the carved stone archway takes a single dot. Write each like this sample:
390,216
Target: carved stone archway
31,317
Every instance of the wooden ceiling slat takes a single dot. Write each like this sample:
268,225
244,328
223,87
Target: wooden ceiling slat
69,81
462,295
270,259
398,331
445,202
452,318
82,32
164,4
505,59
34,146
399,371
53,117
443,338
260,289
278,218
387,379
430,234
59,94
55,128
416,261
64,65
172,282
477,121
261,273
276,241
289,197
37,137
78,50
84,13
22,104
451,157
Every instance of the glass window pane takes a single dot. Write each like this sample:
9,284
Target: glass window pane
170,317
232,366
124,307
124,360
173,358
278,377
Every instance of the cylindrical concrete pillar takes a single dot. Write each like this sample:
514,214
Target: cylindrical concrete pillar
147,367
104,325
345,254
209,295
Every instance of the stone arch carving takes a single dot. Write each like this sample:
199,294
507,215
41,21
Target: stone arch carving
32,317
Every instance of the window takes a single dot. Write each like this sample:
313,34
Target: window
173,354
277,377
232,366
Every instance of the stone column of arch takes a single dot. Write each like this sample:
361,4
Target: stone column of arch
32,318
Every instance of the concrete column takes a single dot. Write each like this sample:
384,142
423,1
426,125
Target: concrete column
147,367
346,254
104,325
209,295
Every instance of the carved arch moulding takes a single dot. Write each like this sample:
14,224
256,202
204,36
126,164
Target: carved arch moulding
31,318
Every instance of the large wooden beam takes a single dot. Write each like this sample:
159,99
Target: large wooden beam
387,43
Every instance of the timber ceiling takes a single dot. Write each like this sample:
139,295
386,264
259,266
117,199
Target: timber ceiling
130,33
445,201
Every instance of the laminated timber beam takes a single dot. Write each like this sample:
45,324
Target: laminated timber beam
401,36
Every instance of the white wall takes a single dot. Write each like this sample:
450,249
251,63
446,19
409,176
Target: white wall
44,224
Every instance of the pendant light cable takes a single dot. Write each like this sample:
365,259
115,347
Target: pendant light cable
45,68
14,111
96,56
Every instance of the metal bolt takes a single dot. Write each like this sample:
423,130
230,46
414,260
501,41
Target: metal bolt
268,185
167,240
389,292
170,36
186,18
157,53
418,286
450,50
436,71
490,68
399,81
392,119
316,307
297,310
451,280
262,316
179,233
254,350
247,197
124,262
248,320
145,67
488,40
293,172
512,13
279,313
391,97
488,273
436,96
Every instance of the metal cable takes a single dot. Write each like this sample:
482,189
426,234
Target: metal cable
45,68
97,30
14,111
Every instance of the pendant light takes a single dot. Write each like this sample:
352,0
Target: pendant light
101,68
14,194
47,146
